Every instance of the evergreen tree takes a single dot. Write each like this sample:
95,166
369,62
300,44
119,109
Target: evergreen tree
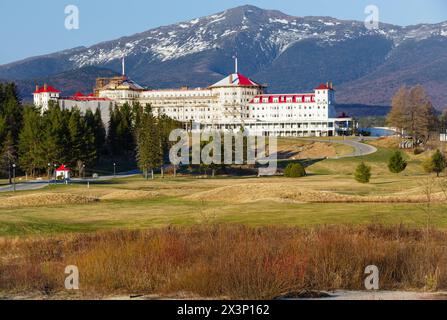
165,126
56,135
89,151
31,151
148,143
77,143
8,156
137,111
362,173
397,163
124,130
437,163
2,130
112,138
99,132
11,110
11,115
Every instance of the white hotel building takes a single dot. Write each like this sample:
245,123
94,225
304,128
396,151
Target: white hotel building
230,104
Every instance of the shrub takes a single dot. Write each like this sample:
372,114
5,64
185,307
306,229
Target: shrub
397,163
417,151
362,173
231,261
294,170
436,163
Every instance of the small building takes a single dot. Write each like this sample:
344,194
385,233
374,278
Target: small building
63,172
43,96
443,137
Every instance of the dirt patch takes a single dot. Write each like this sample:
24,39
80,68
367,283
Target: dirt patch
386,142
130,195
307,150
44,199
246,193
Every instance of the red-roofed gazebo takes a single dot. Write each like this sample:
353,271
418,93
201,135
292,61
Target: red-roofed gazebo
63,172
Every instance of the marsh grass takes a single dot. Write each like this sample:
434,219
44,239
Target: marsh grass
226,260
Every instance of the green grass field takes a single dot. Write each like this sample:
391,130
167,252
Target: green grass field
167,201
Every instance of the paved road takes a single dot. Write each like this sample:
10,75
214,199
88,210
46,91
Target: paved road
360,149
36,185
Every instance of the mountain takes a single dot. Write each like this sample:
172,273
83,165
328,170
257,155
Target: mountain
290,54
82,79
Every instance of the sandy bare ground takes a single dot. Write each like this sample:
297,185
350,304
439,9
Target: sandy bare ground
130,195
386,295
335,295
306,150
44,199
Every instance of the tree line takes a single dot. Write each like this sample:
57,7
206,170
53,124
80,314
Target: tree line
152,138
58,136
36,141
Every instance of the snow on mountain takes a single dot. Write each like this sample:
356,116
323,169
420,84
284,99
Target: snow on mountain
264,39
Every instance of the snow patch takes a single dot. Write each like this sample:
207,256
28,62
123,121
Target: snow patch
282,21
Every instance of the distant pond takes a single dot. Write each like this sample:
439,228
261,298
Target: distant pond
378,132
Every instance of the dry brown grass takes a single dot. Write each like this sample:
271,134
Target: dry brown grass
246,193
386,142
130,195
306,150
227,260
44,199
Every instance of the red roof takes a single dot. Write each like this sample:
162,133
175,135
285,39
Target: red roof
323,87
48,89
63,168
245,81
235,80
78,94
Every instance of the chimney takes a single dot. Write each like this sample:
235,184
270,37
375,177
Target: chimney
327,84
37,87
231,78
331,85
45,87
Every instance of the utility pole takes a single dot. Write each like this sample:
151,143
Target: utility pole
14,176
9,173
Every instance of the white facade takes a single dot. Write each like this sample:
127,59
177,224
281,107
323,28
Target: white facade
223,102
237,101
45,94
89,104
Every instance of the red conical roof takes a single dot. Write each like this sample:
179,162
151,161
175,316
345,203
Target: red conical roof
62,168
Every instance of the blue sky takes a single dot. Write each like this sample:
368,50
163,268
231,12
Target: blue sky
29,28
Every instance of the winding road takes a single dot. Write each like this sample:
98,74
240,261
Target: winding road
40,184
360,149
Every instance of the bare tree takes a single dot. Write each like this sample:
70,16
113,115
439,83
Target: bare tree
413,113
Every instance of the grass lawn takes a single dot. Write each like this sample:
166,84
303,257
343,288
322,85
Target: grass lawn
168,201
